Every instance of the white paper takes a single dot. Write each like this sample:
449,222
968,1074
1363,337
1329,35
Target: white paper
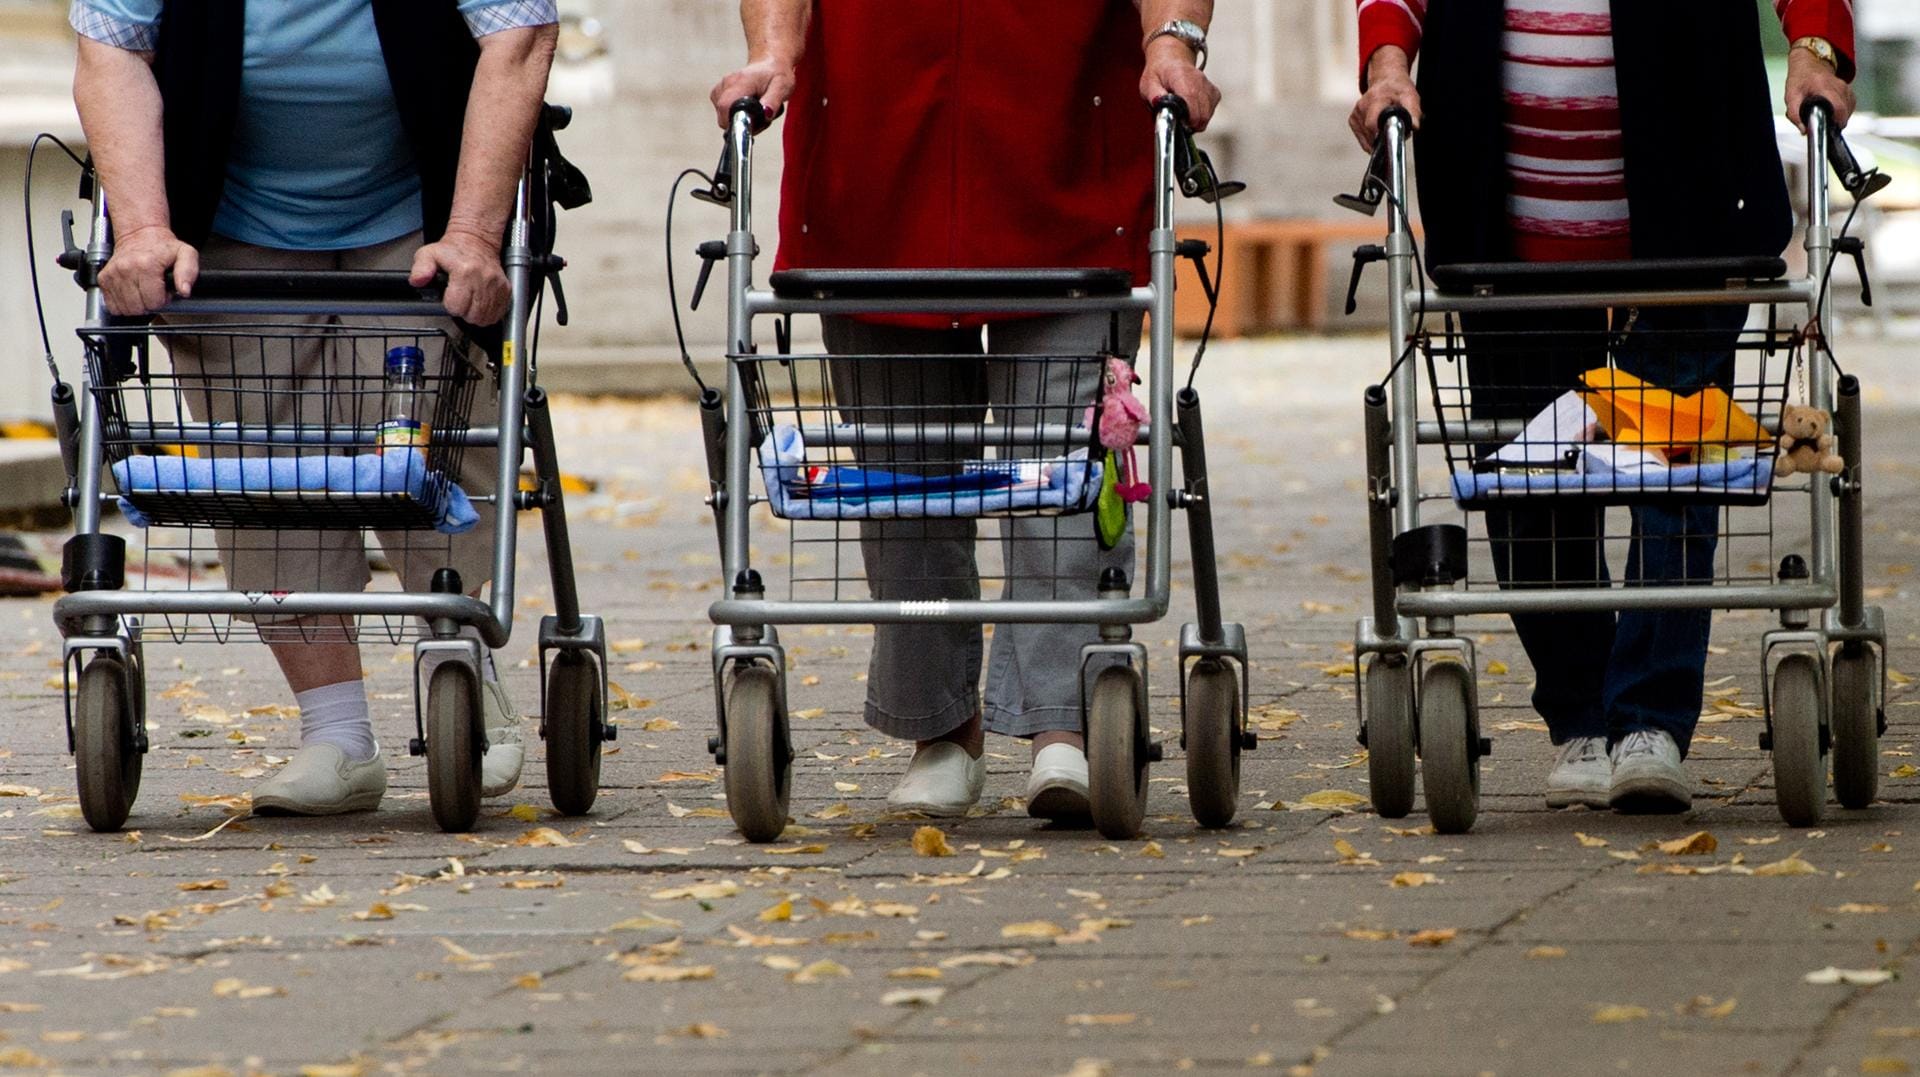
1549,436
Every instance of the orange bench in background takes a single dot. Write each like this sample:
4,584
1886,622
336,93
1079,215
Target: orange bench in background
1276,274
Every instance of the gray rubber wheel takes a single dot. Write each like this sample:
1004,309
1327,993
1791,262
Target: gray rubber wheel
1449,748
759,769
454,735
107,760
1214,723
1856,725
1390,737
573,731
1116,754
1799,769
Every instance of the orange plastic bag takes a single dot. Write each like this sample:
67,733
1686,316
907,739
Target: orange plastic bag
1636,412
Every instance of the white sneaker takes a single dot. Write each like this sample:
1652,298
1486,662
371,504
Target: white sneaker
321,780
1057,788
1647,776
942,780
506,746
1582,774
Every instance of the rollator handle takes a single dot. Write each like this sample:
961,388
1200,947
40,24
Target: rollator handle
1373,185
558,117
757,117
1860,183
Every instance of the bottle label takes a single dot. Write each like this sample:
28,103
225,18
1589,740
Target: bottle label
403,434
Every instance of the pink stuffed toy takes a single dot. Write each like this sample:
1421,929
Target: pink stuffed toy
1121,416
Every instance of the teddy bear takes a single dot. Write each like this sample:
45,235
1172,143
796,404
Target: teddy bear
1805,445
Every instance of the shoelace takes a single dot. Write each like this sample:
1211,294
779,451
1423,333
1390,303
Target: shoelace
1584,750
1637,744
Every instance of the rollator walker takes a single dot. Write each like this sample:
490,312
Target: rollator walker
125,410
1039,466
1822,668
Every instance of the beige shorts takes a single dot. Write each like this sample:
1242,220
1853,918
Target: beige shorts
328,561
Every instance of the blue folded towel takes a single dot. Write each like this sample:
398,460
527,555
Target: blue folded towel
797,490
1735,478
396,472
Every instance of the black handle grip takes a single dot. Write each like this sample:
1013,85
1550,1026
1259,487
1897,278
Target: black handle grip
1813,101
1395,112
557,117
373,285
1174,103
757,118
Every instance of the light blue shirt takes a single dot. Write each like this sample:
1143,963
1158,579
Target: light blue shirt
320,160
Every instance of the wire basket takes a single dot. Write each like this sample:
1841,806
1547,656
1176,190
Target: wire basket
893,457
309,398
1621,415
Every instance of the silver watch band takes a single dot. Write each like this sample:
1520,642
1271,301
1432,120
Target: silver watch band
1187,33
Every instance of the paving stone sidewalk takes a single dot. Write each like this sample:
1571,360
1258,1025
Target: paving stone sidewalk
646,938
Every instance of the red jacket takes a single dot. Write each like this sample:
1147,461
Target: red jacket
978,134
1398,22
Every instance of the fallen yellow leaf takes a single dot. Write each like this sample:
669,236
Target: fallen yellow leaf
1613,1015
1698,843
1032,929
931,841
824,969
1413,878
667,974
1433,936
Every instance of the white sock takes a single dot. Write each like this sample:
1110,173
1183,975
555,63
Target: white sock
337,714
487,671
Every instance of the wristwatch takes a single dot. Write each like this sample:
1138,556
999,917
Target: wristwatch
1194,36
1820,47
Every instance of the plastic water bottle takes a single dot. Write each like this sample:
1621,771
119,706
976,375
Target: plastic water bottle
406,375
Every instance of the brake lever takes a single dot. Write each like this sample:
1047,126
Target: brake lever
1198,179
721,193
1372,188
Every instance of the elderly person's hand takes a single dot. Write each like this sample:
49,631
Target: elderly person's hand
135,278
770,80
1389,83
1810,76
477,290
1170,70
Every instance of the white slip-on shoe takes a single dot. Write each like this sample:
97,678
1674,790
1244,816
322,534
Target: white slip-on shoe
1057,788
1582,774
506,745
1647,776
321,780
942,780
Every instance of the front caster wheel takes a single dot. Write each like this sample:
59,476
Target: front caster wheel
1856,725
1214,723
1117,753
1449,748
454,736
1390,768
759,768
573,721
1799,766
107,755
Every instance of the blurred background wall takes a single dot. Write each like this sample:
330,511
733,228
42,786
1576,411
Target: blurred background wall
638,73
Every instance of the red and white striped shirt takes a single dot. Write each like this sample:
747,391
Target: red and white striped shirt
1567,199
1567,177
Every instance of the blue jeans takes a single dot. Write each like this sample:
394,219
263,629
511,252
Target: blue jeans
1601,674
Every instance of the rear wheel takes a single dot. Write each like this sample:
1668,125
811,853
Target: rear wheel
453,747
107,756
1390,768
1856,725
574,724
759,768
1214,725
1116,753
1799,767
1449,748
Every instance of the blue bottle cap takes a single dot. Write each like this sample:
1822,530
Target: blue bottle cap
406,359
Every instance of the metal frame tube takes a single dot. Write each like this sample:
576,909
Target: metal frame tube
86,513
1160,248
1773,292
760,301
736,551
518,259
1808,596
1403,392
1104,611
1819,246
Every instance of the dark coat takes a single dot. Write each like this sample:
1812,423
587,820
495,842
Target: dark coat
1696,116
430,55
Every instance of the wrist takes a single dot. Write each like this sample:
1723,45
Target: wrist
470,232
1169,48
1388,62
1815,50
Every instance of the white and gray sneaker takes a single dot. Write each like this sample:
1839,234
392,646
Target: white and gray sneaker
1647,776
1582,774
506,744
